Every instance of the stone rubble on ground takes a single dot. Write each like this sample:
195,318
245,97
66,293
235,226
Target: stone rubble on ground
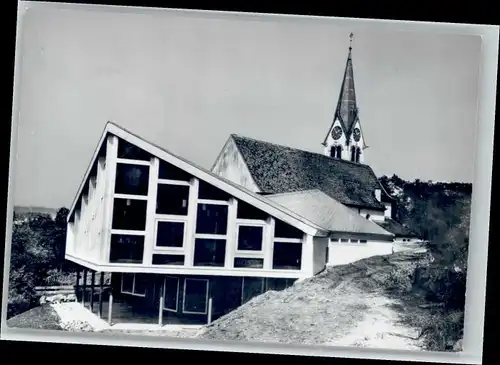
57,298
73,316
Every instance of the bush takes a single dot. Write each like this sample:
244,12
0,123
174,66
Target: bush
440,329
37,258
56,277
399,280
22,294
443,285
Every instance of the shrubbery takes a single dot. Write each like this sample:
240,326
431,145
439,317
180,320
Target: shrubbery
37,258
440,213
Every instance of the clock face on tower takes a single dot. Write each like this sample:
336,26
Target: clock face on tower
356,134
336,132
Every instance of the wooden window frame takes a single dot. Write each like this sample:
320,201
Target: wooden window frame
129,161
250,253
133,286
176,297
184,296
173,219
173,183
289,240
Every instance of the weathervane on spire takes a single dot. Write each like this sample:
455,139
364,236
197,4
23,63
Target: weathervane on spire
351,36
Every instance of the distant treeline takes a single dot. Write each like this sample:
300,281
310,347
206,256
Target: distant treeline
429,208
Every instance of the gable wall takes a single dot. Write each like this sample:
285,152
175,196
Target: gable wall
231,166
87,229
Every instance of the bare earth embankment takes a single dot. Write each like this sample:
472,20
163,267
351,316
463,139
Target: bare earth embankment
345,305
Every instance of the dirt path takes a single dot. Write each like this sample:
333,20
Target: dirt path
380,328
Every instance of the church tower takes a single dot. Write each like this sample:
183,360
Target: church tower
345,139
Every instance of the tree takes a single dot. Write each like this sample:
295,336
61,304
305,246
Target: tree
37,252
28,265
59,237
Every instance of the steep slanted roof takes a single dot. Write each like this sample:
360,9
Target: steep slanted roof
260,202
347,110
328,213
397,228
280,169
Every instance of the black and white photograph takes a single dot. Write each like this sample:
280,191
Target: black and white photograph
257,179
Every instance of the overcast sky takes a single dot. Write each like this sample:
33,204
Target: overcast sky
187,82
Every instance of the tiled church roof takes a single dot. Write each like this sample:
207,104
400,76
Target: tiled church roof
279,169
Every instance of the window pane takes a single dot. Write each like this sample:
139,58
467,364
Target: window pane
283,230
159,259
131,179
249,263
277,284
209,252
211,219
129,214
171,293
207,191
129,151
171,172
140,284
127,282
172,199
251,288
195,296
250,238
247,211
287,256
126,249
170,234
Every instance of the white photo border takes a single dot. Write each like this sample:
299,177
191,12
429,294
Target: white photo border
480,208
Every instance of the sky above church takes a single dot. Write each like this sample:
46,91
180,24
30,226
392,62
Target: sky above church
187,81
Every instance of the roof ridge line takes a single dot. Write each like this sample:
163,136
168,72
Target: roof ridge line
296,192
299,149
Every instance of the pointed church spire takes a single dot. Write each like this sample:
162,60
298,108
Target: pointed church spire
345,139
346,107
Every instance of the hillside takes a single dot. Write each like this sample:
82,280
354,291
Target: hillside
429,208
375,302
337,307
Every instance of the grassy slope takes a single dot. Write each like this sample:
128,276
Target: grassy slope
42,317
317,310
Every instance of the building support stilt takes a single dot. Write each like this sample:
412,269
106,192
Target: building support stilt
101,285
92,287
84,286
